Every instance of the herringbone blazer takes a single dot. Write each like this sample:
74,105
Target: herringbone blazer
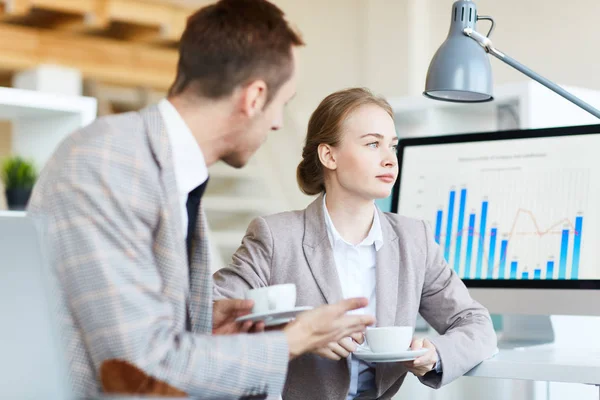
118,256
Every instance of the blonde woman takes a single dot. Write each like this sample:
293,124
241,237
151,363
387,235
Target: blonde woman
343,246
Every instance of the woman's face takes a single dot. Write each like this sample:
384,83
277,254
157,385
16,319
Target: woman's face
365,162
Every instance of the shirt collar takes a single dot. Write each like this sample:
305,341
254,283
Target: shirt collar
188,161
374,237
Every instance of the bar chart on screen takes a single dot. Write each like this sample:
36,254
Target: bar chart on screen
486,250
509,210
510,224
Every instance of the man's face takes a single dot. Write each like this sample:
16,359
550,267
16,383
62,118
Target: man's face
269,118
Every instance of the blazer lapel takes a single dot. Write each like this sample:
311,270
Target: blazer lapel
200,278
387,271
161,149
170,243
319,253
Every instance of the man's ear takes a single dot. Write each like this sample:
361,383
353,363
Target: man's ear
254,98
327,156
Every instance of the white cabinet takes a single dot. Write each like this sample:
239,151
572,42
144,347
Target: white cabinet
40,121
520,105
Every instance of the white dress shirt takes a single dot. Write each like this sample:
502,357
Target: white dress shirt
356,266
356,269
188,161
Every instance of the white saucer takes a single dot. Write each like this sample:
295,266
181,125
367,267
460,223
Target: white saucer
272,318
398,356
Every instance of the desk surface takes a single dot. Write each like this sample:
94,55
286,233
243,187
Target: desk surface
543,363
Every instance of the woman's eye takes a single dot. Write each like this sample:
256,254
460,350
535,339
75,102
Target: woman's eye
395,147
373,145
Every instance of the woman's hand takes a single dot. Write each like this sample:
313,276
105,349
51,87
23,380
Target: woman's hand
342,349
425,363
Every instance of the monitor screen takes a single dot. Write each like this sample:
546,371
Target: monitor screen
516,209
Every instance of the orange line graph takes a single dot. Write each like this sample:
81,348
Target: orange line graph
539,232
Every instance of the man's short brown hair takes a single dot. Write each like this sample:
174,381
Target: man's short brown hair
232,43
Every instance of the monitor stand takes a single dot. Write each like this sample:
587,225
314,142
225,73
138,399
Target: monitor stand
525,331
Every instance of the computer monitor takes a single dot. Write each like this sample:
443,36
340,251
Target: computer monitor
516,213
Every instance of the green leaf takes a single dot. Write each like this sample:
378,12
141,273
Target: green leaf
18,173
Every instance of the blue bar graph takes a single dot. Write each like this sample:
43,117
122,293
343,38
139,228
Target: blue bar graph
473,266
513,270
491,260
564,248
438,226
470,247
576,247
550,270
449,226
461,220
482,228
501,272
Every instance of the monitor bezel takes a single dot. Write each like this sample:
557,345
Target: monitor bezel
587,284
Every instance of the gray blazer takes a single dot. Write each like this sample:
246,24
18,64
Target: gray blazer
412,277
118,257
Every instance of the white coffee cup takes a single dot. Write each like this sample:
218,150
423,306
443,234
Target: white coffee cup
389,339
273,298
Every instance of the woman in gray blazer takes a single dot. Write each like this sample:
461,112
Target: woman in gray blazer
343,246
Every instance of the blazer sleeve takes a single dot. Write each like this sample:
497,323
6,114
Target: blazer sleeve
467,336
250,267
102,238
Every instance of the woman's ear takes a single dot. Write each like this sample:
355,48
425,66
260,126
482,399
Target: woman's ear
326,156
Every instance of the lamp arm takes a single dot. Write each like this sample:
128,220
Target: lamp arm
486,43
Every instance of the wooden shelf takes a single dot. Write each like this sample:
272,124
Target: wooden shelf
121,42
154,21
108,61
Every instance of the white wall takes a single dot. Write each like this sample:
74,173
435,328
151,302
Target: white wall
349,43
331,60
387,45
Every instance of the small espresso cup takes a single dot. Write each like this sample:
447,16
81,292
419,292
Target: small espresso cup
273,298
389,339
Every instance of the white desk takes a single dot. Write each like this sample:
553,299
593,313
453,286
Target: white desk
543,363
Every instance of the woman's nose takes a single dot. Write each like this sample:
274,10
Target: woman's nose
389,159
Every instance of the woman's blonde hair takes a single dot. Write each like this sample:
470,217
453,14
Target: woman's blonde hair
324,127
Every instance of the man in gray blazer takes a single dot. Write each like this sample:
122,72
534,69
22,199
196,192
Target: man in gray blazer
122,202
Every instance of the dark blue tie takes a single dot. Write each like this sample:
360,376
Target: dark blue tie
192,205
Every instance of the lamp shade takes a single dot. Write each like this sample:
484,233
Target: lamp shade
460,70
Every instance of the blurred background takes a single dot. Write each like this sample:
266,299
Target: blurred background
123,54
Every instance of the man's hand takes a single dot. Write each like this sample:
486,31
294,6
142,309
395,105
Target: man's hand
225,313
341,349
314,329
425,363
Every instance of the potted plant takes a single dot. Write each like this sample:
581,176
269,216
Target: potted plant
19,176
